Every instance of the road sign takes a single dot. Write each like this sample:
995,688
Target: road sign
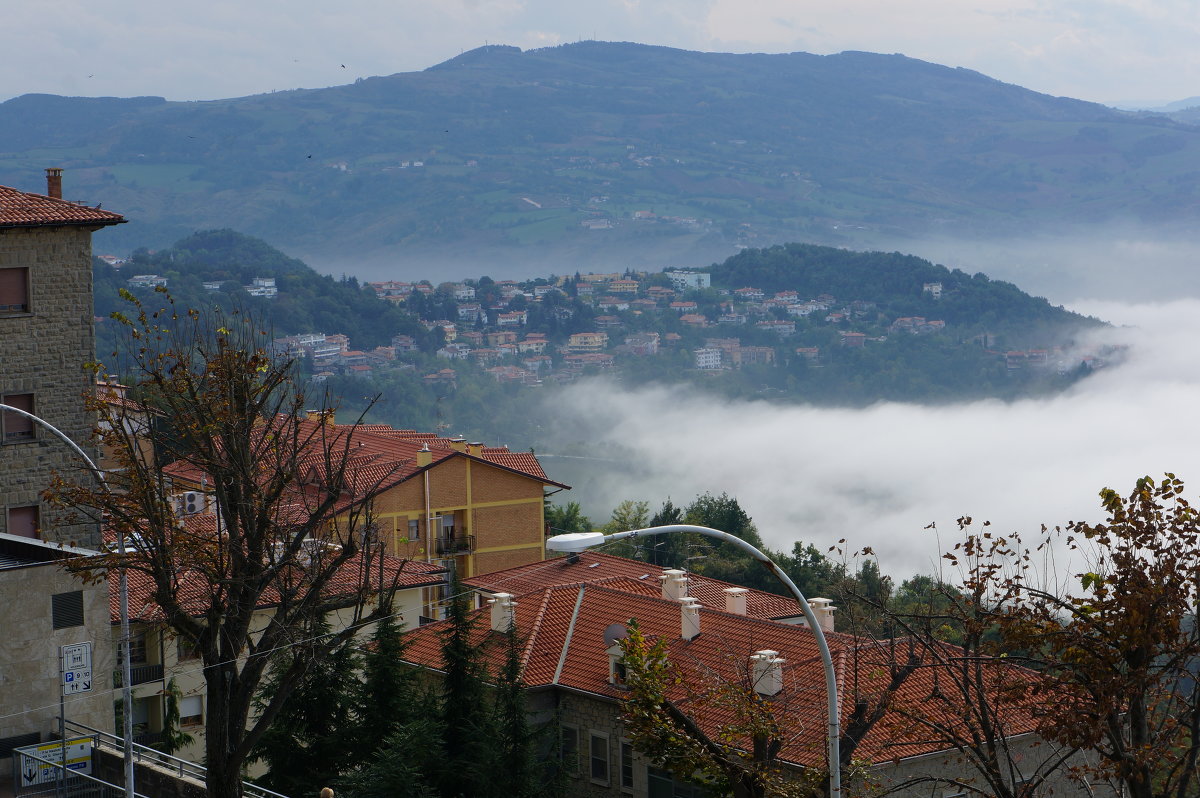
35,771
76,668
77,657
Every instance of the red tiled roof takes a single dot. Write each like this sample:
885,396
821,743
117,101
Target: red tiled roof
21,209
563,629
382,456
193,589
594,566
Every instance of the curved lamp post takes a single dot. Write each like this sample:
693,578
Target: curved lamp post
126,690
579,541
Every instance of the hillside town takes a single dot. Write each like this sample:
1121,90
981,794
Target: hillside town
227,521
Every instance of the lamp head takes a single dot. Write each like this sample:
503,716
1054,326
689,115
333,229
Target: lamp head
574,541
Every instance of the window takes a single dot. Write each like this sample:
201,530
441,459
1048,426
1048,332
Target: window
599,757
568,749
66,609
626,765
17,427
187,650
191,710
137,649
414,528
23,521
14,291
660,784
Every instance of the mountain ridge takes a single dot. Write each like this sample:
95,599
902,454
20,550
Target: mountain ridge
598,153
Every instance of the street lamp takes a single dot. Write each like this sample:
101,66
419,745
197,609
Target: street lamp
126,690
575,542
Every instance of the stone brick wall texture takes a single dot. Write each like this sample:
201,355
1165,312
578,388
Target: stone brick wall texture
43,353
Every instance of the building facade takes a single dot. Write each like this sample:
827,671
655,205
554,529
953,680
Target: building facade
46,327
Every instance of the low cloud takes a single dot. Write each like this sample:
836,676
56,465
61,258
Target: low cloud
878,476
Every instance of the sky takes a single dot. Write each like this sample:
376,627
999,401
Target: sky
1112,51
879,477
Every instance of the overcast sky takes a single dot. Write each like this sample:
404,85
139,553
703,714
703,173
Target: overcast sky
1102,50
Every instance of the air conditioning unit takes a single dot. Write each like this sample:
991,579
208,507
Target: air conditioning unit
191,502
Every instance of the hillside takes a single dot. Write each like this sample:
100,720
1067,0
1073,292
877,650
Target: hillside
796,323
595,153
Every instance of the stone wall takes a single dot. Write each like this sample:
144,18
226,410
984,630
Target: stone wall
44,352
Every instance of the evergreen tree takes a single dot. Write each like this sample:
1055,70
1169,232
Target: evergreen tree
384,701
465,716
516,767
312,740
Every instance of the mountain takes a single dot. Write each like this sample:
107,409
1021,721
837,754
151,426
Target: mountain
598,154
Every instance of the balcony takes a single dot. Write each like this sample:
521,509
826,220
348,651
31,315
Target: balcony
139,674
455,544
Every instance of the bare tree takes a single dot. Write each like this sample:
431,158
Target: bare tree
289,541
975,697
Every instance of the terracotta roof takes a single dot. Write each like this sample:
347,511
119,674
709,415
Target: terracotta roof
194,589
21,209
563,629
382,456
594,566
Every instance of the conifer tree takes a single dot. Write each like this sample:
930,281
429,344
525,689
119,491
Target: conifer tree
465,716
311,740
516,765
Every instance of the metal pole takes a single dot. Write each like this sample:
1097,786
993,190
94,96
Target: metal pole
584,540
123,648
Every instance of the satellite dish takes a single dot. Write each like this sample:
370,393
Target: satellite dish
614,632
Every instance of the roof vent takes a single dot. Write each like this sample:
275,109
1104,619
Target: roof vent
766,672
689,627
674,584
504,611
735,600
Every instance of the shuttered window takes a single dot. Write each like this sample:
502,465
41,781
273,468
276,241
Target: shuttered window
17,427
23,521
14,290
67,609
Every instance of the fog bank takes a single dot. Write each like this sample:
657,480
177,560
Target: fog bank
878,476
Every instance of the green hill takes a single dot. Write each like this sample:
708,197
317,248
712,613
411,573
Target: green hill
499,157
973,347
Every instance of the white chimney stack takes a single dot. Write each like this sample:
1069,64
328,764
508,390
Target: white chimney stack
735,600
674,584
823,608
766,672
689,628
504,611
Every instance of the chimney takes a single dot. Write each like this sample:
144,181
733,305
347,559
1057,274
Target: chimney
616,665
689,626
735,600
475,449
54,183
325,416
823,608
458,444
503,612
766,672
424,456
674,584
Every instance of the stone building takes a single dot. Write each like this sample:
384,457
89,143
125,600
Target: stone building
46,330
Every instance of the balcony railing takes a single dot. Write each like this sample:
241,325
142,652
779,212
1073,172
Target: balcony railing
457,544
139,674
